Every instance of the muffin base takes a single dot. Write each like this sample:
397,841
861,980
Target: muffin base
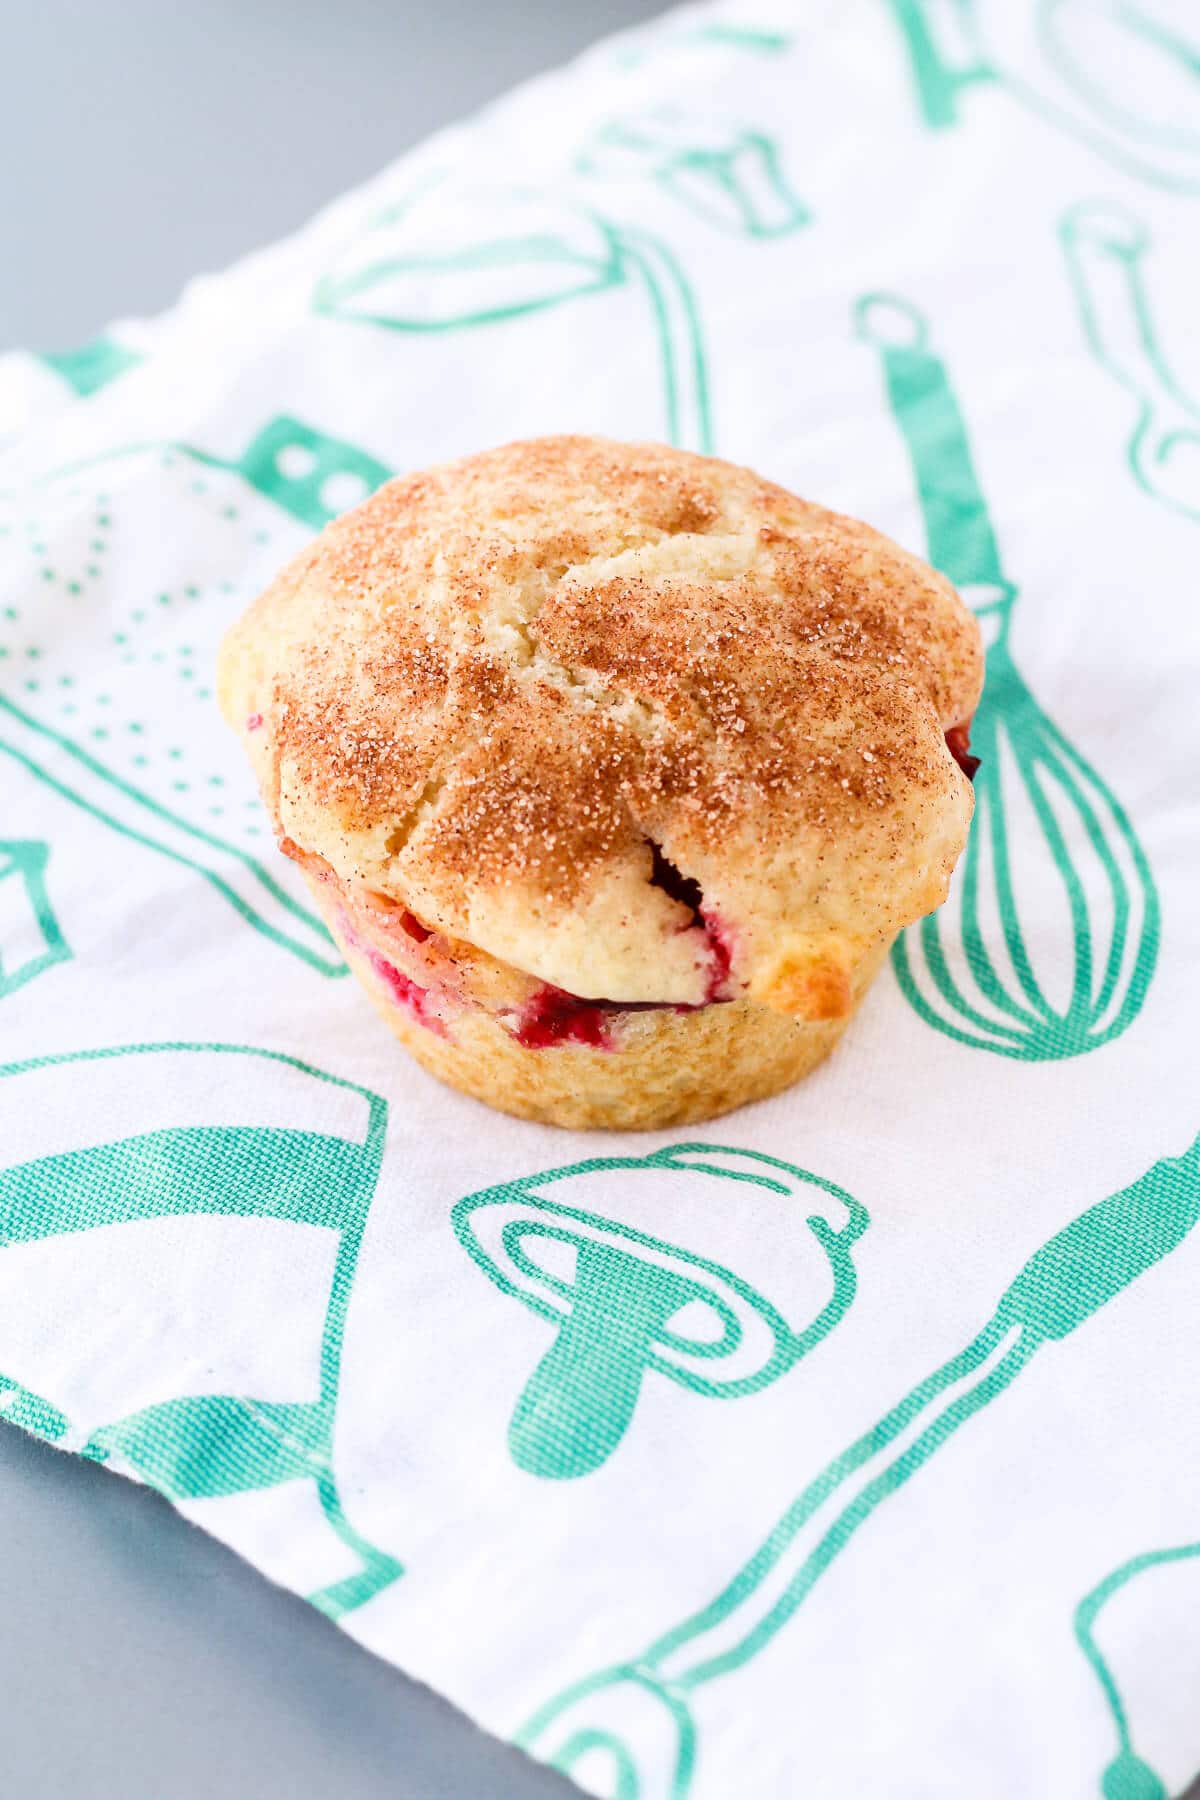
669,1068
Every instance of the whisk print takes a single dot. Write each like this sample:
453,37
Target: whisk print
982,969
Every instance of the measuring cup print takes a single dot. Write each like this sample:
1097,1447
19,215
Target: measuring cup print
236,1182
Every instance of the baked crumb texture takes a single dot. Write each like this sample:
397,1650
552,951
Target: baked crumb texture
578,722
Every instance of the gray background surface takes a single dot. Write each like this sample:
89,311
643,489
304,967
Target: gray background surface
145,141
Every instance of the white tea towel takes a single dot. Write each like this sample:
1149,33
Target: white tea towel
848,1445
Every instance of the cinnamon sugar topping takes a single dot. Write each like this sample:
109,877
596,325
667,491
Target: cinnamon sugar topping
488,688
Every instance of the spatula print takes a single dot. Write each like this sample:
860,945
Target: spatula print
638,1718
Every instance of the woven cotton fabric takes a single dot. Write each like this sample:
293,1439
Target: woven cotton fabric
847,1445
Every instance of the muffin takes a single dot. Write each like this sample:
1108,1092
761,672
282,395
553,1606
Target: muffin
613,769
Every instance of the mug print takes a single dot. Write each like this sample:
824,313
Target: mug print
1121,76
1045,820
628,1305
108,631
632,1724
188,1228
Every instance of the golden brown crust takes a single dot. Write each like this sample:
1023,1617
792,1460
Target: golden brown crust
671,1068
487,691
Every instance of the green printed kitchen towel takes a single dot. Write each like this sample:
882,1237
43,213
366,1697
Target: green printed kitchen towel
848,1445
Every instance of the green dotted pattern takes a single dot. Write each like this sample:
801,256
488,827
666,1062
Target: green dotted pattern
119,655
112,641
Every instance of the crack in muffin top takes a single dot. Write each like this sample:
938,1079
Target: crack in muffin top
498,690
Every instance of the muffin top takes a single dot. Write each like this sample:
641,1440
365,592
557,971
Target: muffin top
635,722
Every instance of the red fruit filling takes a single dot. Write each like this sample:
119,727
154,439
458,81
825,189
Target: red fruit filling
551,1015
721,951
687,891
958,743
406,993
555,1017
254,721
